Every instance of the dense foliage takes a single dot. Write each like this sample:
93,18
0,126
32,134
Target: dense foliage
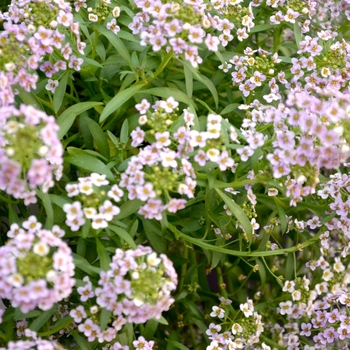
174,174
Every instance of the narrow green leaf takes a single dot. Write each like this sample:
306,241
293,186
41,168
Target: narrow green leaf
297,34
129,208
81,341
119,99
42,319
262,272
103,255
92,62
230,108
98,135
261,28
90,164
60,324
46,201
123,235
282,215
163,64
150,329
116,42
58,200
124,132
60,92
29,98
31,314
154,235
238,212
257,253
204,80
166,92
189,81
85,266
162,320
289,267
178,345
105,318
66,119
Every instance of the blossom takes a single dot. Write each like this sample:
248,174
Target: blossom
30,150
39,270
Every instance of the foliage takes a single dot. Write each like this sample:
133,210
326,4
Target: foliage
173,175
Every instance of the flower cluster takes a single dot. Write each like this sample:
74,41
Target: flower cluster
316,311
94,204
37,35
36,266
182,27
168,164
30,152
102,13
235,332
34,343
135,289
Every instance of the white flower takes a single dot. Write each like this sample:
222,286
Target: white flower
152,259
286,307
236,328
98,180
217,312
116,12
246,308
92,17
41,248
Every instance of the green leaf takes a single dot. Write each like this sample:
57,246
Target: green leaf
81,341
166,92
289,267
45,198
29,98
282,215
154,236
60,324
85,266
92,62
163,64
42,319
230,108
119,99
58,200
123,235
66,119
124,132
105,318
60,92
238,212
31,314
116,42
129,208
261,28
188,80
150,329
178,345
103,255
90,164
262,272
98,135
204,80
297,34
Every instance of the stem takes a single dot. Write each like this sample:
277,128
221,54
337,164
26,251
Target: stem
183,268
222,284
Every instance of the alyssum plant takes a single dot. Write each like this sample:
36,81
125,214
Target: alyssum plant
174,174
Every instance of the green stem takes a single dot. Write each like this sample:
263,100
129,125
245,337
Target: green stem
183,269
221,282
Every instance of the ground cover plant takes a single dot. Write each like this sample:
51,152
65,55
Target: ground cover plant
174,174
